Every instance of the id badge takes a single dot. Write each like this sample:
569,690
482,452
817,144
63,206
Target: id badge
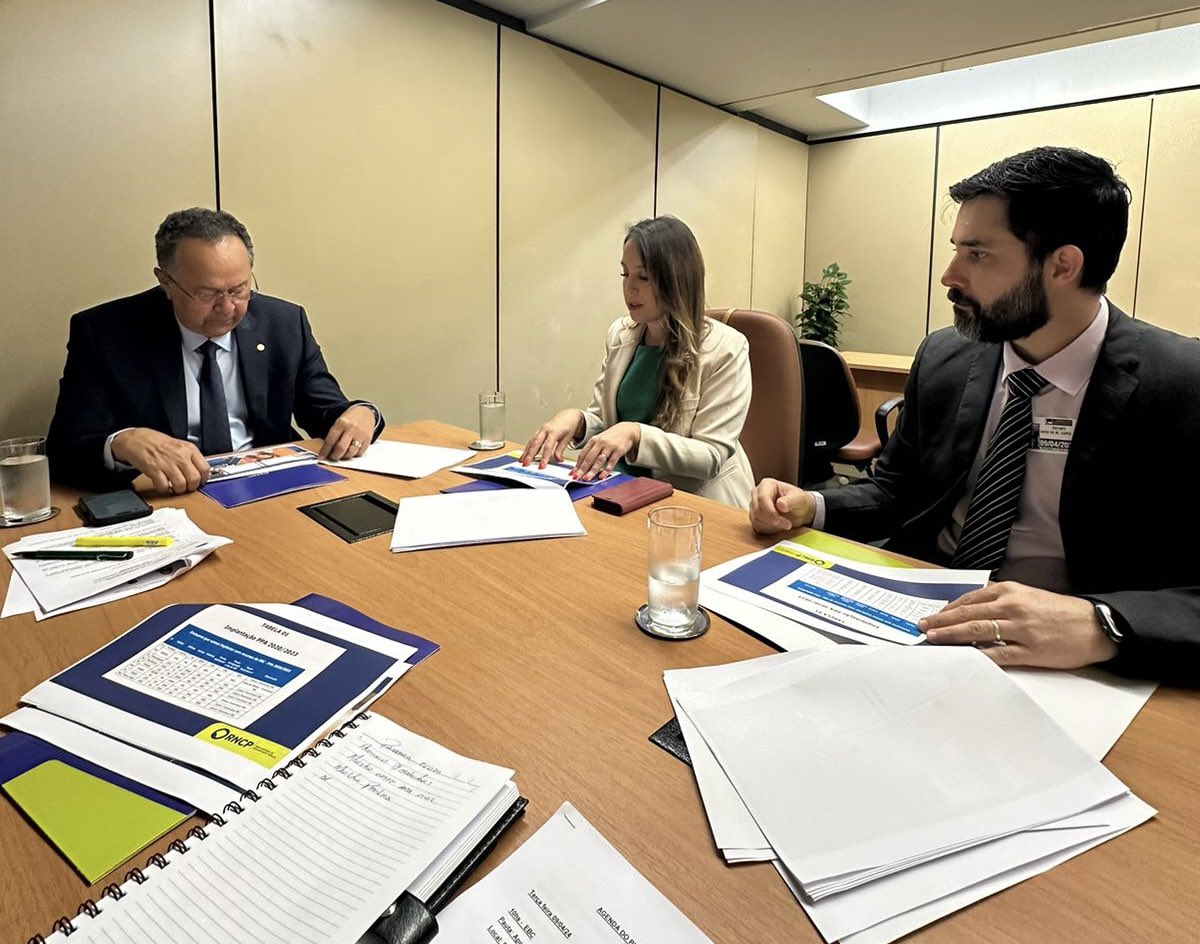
1052,433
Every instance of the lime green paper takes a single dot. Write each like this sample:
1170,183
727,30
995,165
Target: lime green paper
95,824
860,553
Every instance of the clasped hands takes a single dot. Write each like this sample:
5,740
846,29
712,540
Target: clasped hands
177,466
1038,628
596,460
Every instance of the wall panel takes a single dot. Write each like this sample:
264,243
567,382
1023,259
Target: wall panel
706,168
1169,273
358,144
869,206
1114,130
576,167
780,191
105,127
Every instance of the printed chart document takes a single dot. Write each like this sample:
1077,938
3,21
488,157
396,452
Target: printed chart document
555,475
431,521
844,598
233,691
318,858
565,883
51,587
407,460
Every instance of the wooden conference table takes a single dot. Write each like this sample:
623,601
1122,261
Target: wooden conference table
542,669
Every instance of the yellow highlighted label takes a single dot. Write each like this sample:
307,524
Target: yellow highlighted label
244,744
801,554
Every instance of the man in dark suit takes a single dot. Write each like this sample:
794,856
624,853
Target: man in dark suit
1052,500
199,365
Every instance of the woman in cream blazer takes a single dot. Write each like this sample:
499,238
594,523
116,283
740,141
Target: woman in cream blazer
693,371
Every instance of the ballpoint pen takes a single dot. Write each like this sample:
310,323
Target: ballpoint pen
75,555
157,541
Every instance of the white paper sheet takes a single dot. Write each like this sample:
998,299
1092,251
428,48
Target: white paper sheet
880,901
1132,813
885,741
206,794
350,831
408,460
56,584
430,521
565,883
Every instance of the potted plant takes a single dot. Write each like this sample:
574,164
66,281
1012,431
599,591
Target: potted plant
824,306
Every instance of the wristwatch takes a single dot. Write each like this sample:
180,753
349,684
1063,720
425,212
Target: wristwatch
1108,623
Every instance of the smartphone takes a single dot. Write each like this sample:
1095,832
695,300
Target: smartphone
112,507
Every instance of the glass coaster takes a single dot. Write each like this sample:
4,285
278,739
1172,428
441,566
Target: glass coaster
699,625
480,446
4,523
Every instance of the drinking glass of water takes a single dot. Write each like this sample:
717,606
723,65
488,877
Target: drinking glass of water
24,480
672,610
491,421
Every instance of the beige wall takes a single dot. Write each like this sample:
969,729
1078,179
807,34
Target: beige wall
105,127
871,208
1168,282
576,167
359,142
780,194
706,167
877,231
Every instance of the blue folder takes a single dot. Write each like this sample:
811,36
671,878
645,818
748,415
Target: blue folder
251,488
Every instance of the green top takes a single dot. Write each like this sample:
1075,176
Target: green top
637,394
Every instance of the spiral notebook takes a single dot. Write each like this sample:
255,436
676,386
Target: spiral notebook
317,853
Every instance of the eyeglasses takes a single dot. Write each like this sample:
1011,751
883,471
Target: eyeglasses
239,293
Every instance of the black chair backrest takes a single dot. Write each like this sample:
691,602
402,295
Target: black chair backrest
831,414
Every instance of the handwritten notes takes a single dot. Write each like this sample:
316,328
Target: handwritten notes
319,857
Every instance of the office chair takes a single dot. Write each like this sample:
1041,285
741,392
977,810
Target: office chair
831,415
883,418
772,435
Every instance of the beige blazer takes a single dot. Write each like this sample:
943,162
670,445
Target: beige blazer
701,452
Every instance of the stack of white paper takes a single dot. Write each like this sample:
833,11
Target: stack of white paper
409,460
430,521
50,587
892,785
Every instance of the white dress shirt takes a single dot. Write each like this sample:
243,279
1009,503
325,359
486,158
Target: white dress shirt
240,433
1035,549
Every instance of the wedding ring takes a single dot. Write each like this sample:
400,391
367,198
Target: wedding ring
355,443
999,640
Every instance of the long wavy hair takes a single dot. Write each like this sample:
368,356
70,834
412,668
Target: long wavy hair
675,266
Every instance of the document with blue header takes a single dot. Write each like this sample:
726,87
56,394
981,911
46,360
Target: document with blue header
846,599
233,691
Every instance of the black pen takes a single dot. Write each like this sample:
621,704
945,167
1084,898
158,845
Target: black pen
75,555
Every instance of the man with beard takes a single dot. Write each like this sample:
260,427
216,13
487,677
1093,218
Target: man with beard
1028,434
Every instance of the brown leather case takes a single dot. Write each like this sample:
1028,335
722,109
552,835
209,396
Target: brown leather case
631,495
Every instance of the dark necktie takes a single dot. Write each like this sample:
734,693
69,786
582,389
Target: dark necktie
993,507
214,413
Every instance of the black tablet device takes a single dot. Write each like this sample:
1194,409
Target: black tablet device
354,517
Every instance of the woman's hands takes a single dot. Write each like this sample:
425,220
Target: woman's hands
606,449
552,438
